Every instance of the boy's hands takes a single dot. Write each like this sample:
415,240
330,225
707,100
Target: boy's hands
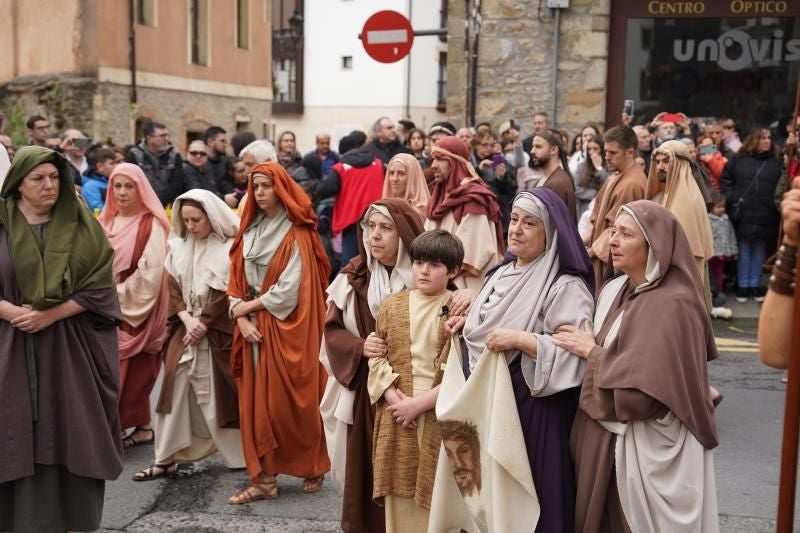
406,410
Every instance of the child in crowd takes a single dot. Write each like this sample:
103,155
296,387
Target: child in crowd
95,180
239,172
404,383
725,248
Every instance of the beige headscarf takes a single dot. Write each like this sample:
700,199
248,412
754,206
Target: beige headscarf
215,267
416,187
683,198
384,281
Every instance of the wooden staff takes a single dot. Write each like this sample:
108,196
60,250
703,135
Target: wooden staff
791,426
791,421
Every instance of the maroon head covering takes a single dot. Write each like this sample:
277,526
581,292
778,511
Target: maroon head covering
462,191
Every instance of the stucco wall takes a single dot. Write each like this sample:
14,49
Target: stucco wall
164,49
39,38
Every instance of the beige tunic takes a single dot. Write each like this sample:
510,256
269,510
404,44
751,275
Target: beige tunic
402,513
190,431
479,238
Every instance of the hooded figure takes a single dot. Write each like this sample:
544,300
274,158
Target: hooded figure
279,271
354,298
679,193
462,204
138,232
415,188
198,411
60,383
645,428
545,282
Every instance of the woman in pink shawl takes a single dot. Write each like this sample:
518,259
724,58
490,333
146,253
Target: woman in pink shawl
137,227
405,180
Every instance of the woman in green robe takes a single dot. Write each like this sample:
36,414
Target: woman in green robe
58,340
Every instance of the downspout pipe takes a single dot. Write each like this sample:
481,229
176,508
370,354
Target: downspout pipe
468,95
474,65
554,76
408,71
132,49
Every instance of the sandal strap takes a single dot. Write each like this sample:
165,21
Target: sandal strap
150,471
256,491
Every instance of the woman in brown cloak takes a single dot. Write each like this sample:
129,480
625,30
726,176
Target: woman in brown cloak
643,435
382,267
59,370
198,410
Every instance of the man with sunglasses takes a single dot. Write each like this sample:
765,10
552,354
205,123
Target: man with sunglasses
197,170
159,161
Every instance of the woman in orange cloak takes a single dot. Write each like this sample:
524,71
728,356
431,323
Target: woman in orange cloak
279,271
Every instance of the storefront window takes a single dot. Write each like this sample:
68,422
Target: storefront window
712,58
718,67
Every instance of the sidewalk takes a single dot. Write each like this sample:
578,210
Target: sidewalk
749,309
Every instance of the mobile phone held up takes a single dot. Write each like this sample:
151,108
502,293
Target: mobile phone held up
627,108
706,149
497,160
82,143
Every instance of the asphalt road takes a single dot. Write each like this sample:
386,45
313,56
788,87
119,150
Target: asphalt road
747,464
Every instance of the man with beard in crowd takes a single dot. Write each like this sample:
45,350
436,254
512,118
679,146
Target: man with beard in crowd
625,185
548,155
645,145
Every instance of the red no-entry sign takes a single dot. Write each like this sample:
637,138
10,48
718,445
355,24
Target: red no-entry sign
387,36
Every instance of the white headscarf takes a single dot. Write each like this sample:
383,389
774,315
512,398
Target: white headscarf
381,282
513,297
215,268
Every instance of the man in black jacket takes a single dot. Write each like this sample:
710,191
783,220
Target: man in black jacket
197,171
217,146
159,161
385,144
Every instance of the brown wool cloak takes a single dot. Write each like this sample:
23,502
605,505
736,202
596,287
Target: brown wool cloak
560,183
359,512
78,378
656,363
279,399
617,191
220,330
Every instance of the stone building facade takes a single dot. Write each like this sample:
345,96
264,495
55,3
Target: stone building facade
516,63
197,63
705,58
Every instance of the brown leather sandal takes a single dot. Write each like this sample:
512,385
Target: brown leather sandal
130,441
313,484
156,471
267,490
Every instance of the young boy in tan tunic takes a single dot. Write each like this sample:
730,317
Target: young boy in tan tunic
404,383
